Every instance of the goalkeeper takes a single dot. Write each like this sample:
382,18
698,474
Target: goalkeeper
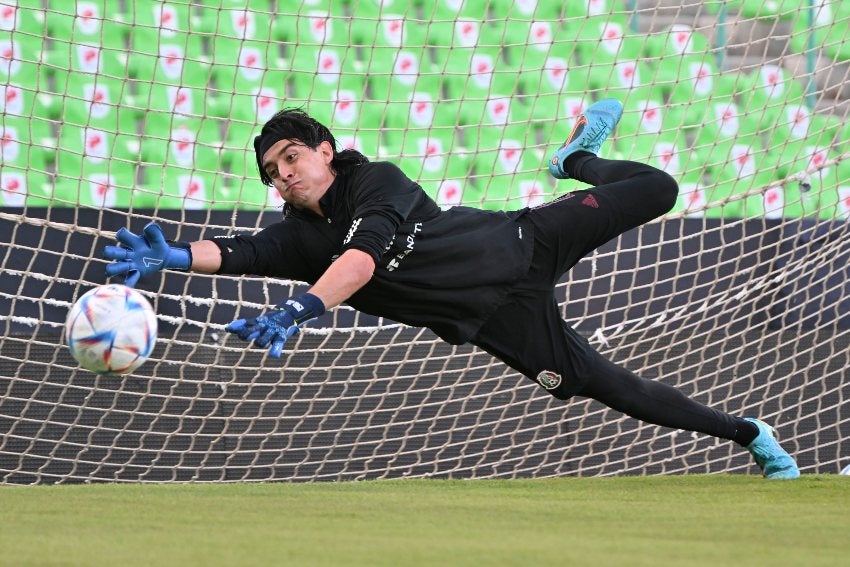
363,233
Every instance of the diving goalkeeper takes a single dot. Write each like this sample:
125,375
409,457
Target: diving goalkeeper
363,233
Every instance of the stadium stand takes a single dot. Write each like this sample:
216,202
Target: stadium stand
389,75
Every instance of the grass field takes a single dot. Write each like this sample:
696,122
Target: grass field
688,520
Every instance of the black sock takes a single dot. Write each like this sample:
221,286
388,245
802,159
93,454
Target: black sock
745,432
573,163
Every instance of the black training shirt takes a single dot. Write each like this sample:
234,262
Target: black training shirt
445,270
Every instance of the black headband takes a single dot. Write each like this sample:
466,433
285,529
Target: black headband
263,144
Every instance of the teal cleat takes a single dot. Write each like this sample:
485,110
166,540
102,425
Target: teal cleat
774,461
591,129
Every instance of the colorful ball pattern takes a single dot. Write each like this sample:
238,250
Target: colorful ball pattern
111,329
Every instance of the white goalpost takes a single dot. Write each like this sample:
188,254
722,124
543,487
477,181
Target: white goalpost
116,114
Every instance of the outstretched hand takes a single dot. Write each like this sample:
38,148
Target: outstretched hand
144,254
273,328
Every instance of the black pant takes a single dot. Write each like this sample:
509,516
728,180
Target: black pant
527,331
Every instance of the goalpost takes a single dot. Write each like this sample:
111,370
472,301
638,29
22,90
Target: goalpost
739,296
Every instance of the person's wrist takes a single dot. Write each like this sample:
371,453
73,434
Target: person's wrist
179,256
306,306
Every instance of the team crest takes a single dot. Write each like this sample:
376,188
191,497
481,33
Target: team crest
549,379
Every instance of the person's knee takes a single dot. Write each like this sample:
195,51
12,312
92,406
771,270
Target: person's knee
664,190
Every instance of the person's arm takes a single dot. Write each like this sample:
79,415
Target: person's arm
206,257
351,271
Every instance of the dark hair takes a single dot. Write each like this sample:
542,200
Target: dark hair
295,124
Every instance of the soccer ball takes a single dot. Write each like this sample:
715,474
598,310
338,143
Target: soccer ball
111,329
845,471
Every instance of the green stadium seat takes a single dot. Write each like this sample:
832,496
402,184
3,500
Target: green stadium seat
99,102
769,89
36,130
20,68
692,199
26,100
453,24
829,17
452,192
182,171
797,124
475,74
602,40
93,22
164,105
810,162
699,84
100,190
528,46
775,9
736,179
184,146
556,78
367,141
721,123
623,79
388,30
312,28
609,9
248,68
21,187
289,26
85,151
509,172
245,111
649,133
401,73
17,147
539,10
648,117
515,191
429,156
320,73
178,188
232,26
423,114
834,198
170,64
24,24
240,185
681,46
165,45
503,112
343,108
842,142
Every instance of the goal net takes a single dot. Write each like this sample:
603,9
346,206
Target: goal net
119,113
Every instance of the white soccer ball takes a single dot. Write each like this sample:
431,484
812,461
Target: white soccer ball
845,471
111,329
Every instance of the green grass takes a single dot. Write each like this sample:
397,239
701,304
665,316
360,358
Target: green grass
687,520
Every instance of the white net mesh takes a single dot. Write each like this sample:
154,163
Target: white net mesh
115,114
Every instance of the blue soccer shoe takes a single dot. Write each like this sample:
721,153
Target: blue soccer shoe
591,129
774,461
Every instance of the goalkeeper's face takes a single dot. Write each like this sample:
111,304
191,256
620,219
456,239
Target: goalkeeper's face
300,174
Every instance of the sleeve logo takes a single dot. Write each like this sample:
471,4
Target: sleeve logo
354,226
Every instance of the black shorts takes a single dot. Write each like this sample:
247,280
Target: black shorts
527,332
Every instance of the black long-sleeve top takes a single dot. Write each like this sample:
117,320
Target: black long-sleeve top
445,270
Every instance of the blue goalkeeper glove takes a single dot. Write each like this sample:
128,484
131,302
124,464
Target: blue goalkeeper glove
276,326
144,254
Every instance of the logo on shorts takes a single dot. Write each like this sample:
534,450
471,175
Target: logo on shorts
549,380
